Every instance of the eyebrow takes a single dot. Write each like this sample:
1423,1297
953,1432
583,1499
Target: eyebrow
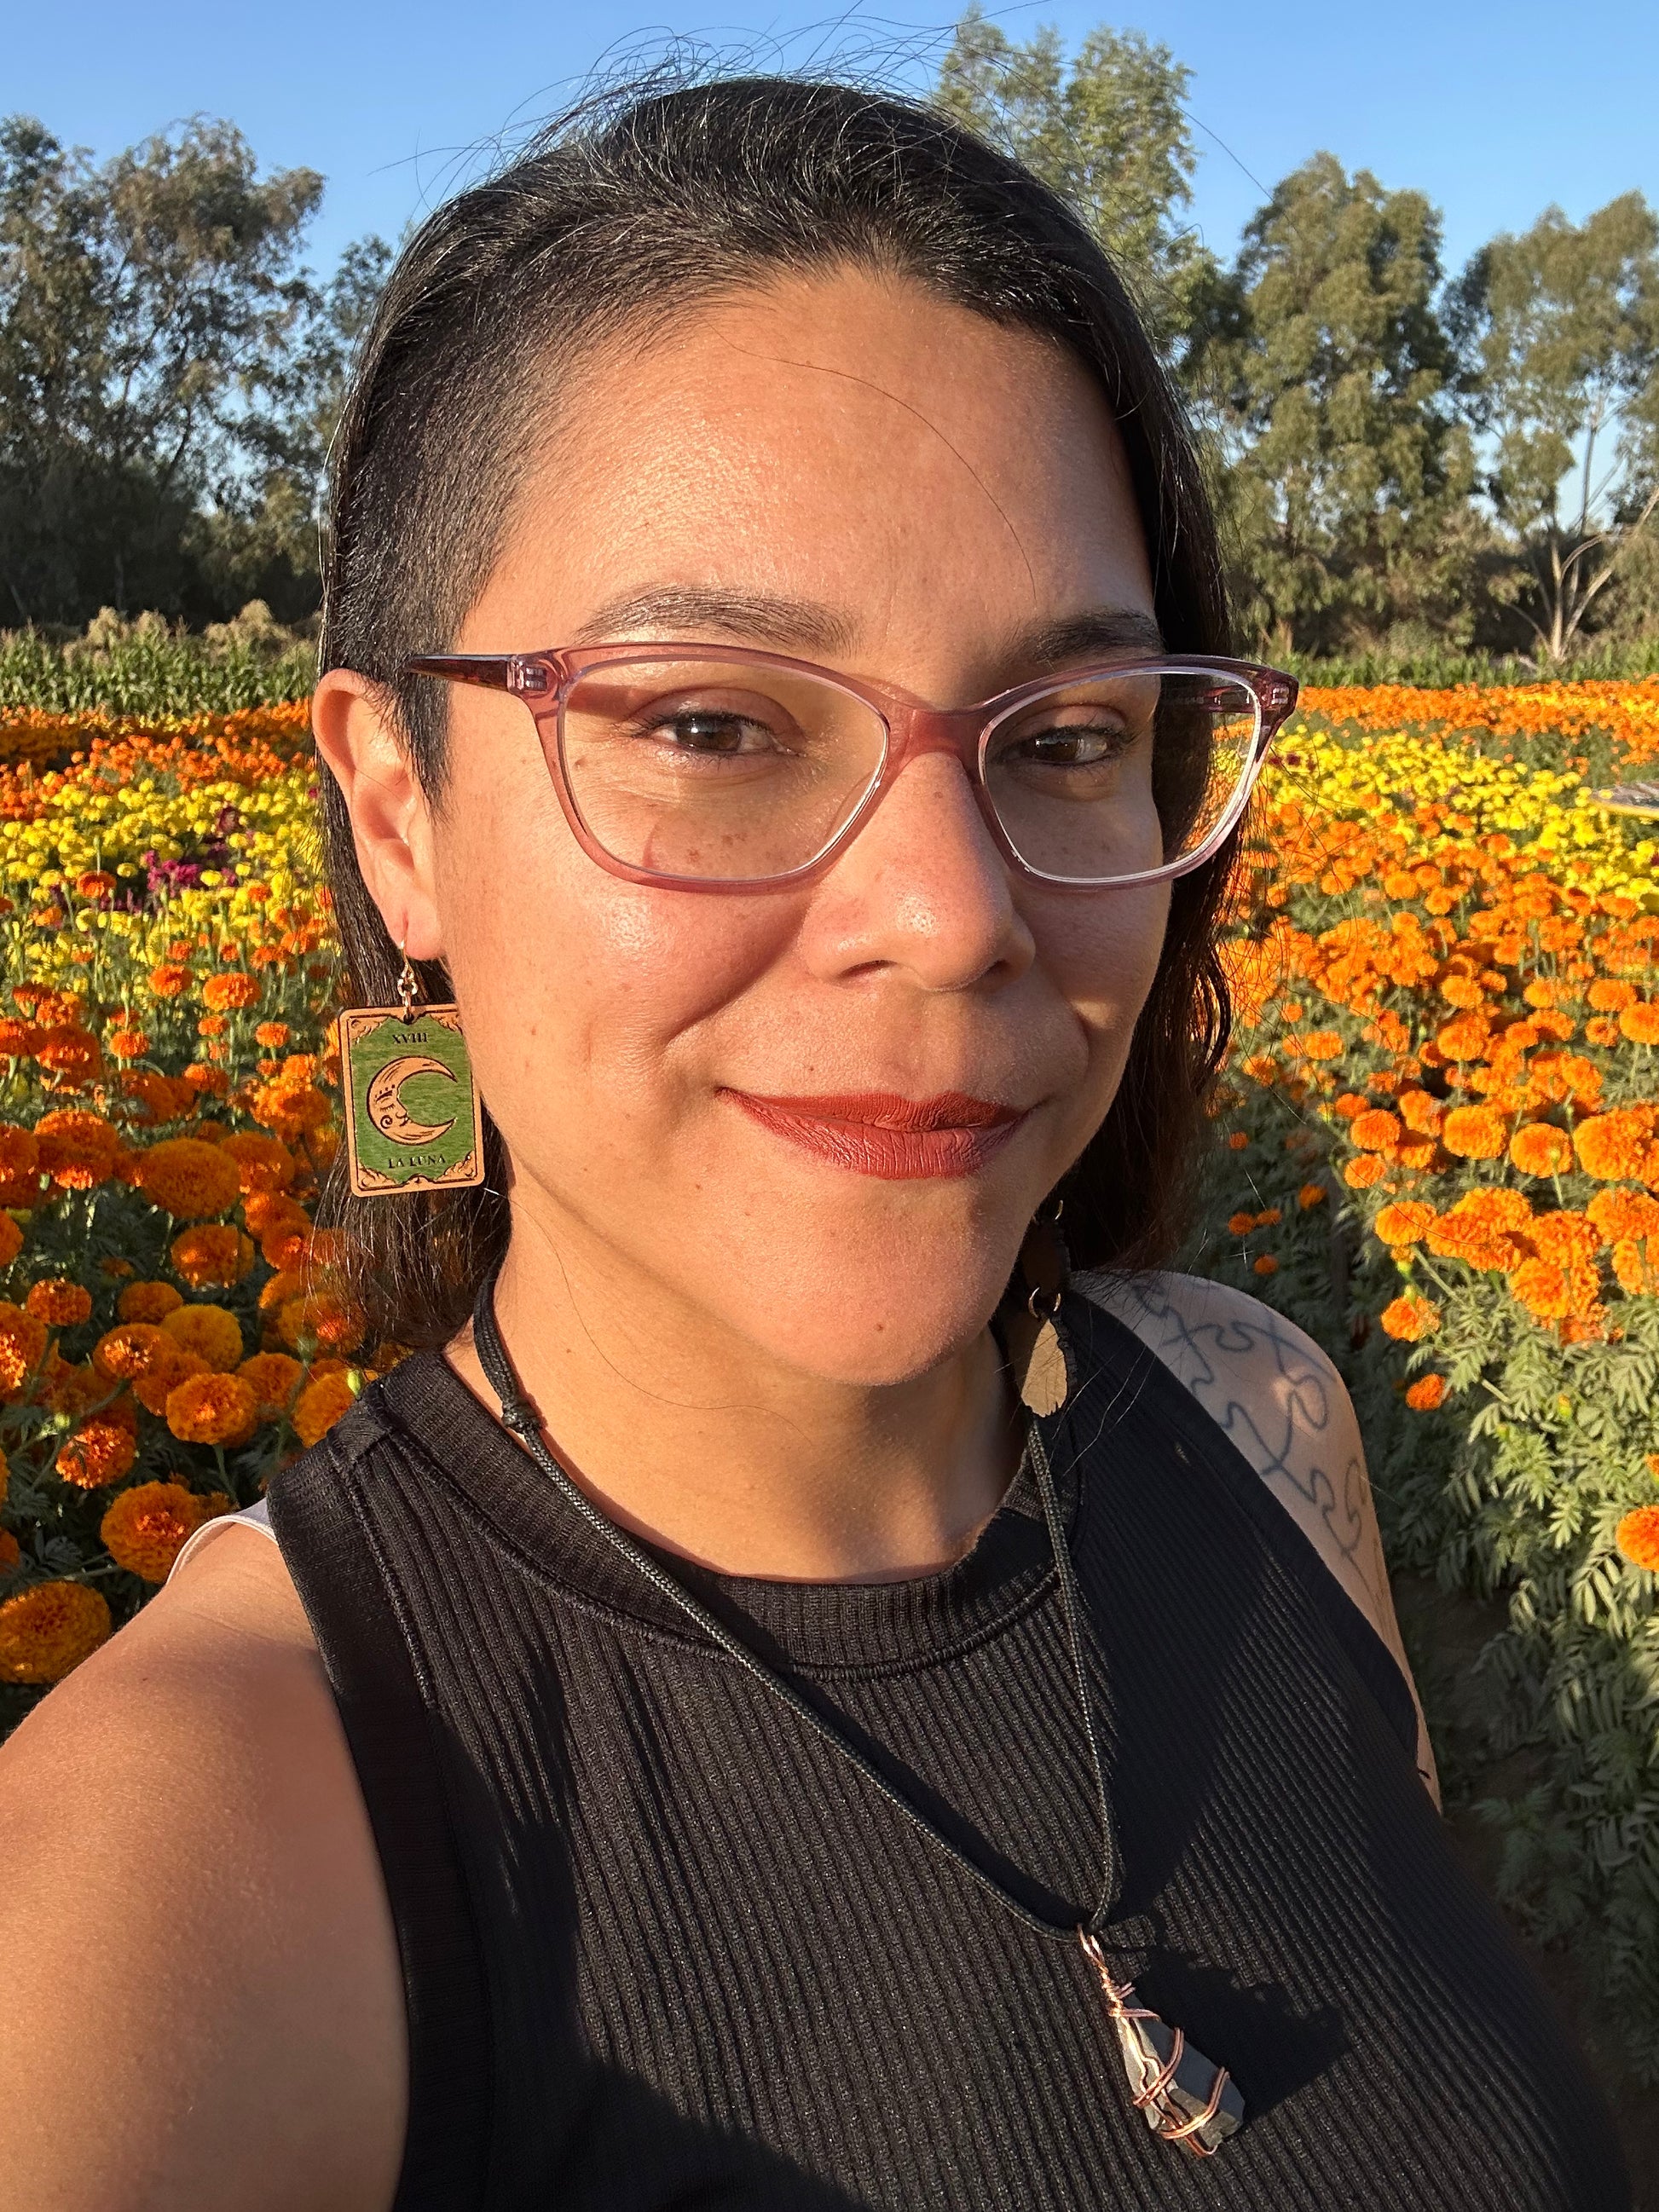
688,611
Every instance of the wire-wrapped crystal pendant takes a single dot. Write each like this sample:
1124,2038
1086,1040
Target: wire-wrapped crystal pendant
1187,2099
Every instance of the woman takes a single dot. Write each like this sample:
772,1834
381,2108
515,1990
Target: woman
751,1714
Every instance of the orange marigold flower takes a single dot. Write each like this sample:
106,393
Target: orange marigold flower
1619,1145
1240,1225
71,1386
1319,1044
1620,1213
1310,1195
1609,995
77,1149
1426,1392
1637,1537
1406,1222
319,1405
1472,1133
151,1302
273,1377
321,1318
1266,1264
212,1409
1602,1030
212,1333
22,1347
1422,1112
58,1303
46,1630
228,994
1539,1148
263,1163
98,1453
147,1526
190,1180
1376,1130
1410,1318
1640,1022
11,1240
271,1035
1461,991
1362,1173
1239,1141
211,1255
1467,1038
1270,1216
1569,1239
1350,1105
1636,1265
127,1043
10,1551
170,981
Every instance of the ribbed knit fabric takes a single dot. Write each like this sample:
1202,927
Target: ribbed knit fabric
662,1947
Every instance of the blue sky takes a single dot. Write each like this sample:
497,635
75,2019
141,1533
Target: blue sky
1495,110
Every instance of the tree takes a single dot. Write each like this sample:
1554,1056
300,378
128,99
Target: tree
1561,327
143,305
1344,473
1110,136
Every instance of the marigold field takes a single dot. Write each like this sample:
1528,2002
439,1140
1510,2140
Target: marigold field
1440,1151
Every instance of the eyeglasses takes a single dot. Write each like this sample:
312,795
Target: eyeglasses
721,769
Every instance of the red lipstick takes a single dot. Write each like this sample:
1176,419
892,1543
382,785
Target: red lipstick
876,1132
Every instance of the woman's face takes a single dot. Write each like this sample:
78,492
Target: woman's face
848,471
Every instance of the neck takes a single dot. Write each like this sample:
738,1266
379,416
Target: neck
693,1439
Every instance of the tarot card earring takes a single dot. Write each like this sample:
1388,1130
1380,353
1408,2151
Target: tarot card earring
413,1121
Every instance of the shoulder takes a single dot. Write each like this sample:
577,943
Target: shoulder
193,1919
1281,1401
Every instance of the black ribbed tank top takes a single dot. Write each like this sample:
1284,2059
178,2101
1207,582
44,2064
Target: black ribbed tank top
663,1946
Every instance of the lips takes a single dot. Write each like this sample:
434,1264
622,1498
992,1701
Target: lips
896,1139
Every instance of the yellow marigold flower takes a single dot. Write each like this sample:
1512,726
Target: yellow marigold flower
190,1180
151,1302
98,1453
58,1303
1539,1148
263,1163
1240,1225
11,1240
230,992
1426,1392
46,1630
212,1333
273,1377
211,1255
321,1318
1410,1318
1266,1264
1406,1222
319,1405
1637,1537
1472,1133
22,1347
147,1526
1640,1022
1376,1130
212,1409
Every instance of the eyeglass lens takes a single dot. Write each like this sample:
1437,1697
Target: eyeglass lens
724,772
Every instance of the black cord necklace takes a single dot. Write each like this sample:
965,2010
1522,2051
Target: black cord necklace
1186,2098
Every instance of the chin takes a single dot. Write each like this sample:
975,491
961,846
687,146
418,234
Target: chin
883,1319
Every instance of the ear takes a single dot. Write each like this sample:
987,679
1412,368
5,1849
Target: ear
390,822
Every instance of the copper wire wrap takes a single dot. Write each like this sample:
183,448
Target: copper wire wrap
1170,2123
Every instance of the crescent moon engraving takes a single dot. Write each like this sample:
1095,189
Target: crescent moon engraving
387,1110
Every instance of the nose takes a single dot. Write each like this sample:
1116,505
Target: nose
923,889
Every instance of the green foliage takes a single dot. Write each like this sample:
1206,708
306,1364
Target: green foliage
145,668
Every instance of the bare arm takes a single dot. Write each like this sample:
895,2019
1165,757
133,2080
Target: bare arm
1274,1392
204,2004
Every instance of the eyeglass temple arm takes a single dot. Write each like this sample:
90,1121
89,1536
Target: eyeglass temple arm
496,671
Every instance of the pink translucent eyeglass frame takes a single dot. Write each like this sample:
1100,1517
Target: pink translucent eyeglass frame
545,681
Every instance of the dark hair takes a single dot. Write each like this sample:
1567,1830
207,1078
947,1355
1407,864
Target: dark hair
638,209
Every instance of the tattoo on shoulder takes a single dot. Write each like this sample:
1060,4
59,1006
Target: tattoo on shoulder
1287,1425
